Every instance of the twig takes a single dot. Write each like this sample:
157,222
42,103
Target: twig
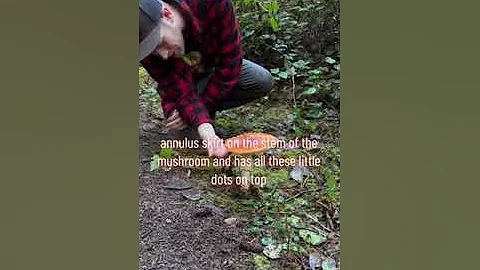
328,103
284,213
323,227
295,196
330,221
319,223
145,234
327,229
322,204
293,91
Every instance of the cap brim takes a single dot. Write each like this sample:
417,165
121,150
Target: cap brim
148,45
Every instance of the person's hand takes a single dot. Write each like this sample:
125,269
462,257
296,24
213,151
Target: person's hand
215,146
175,122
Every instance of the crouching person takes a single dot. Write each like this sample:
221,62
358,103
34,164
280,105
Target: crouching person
193,50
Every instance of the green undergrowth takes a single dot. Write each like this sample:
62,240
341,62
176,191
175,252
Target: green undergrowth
294,215
297,213
148,94
257,117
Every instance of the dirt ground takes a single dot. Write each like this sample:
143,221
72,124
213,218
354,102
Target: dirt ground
175,233
172,233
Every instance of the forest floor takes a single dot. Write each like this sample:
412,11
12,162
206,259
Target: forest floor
291,223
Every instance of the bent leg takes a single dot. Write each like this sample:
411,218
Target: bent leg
254,82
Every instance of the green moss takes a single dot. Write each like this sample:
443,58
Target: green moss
294,153
256,118
273,175
261,262
144,78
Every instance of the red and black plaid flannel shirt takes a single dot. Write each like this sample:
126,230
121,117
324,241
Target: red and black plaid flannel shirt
212,29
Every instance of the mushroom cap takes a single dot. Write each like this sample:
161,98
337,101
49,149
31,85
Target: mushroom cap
250,143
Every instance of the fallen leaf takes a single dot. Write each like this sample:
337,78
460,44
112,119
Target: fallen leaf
273,251
194,196
231,221
314,260
309,91
329,264
177,184
298,173
330,60
154,163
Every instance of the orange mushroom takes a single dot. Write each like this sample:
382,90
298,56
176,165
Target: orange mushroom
250,143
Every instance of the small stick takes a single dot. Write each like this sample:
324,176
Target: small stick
318,222
322,204
330,221
295,196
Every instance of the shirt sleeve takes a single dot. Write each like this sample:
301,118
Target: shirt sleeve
227,71
177,89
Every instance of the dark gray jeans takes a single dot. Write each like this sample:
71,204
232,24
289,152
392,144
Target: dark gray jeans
254,82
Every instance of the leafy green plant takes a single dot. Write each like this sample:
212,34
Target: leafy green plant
164,153
297,41
282,35
313,238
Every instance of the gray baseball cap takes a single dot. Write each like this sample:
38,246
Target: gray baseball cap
150,17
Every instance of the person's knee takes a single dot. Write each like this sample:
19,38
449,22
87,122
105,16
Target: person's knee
255,80
264,81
